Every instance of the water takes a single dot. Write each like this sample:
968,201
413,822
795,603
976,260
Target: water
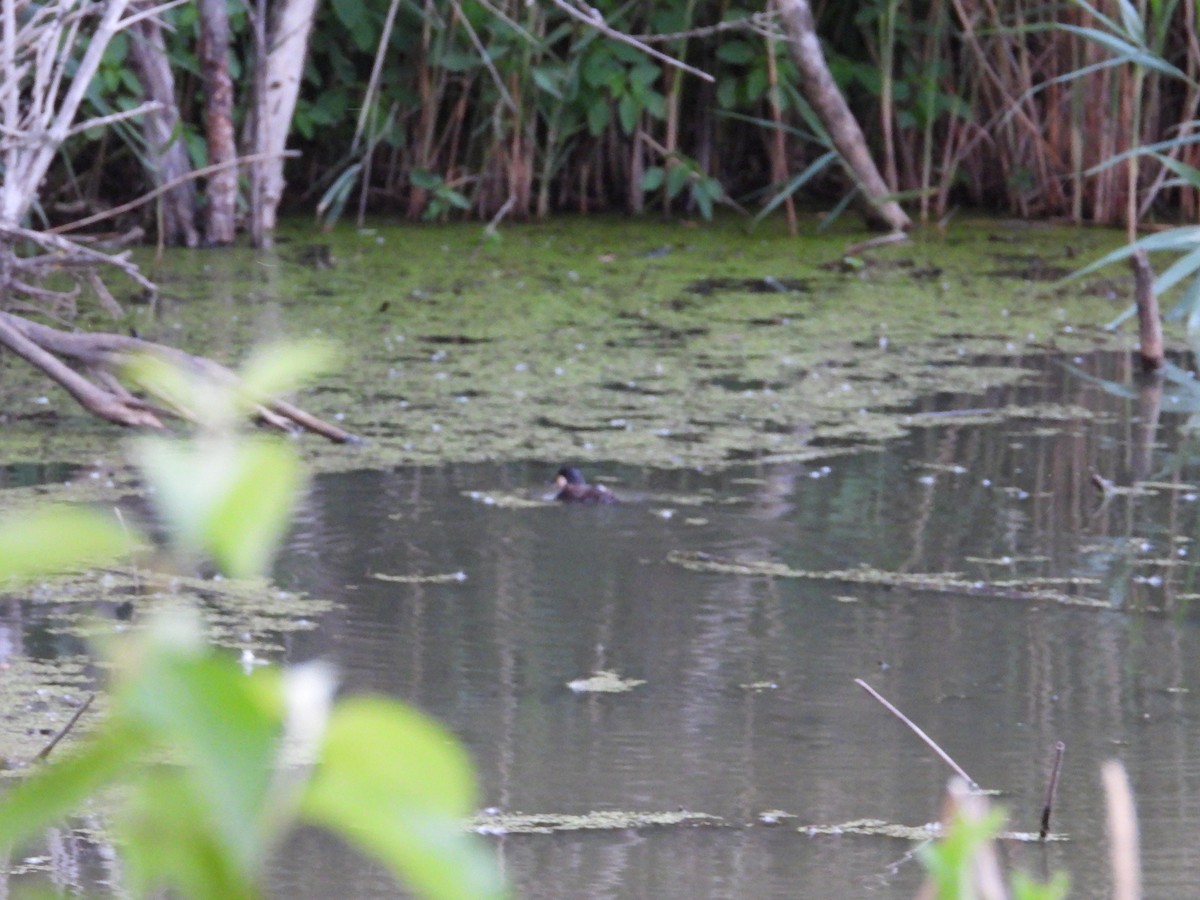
554,593
749,703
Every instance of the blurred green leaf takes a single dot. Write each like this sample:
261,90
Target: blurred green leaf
283,366
251,515
677,178
224,728
58,790
736,52
192,863
423,178
226,498
172,385
598,115
365,790
627,110
58,539
652,178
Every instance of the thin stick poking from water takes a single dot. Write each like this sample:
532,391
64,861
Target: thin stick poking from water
1051,787
45,751
930,742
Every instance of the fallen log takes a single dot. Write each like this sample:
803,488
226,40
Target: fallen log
88,365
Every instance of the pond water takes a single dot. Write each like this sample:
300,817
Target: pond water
749,703
777,427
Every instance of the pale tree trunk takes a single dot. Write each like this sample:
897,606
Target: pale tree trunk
822,93
219,224
167,154
277,85
35,127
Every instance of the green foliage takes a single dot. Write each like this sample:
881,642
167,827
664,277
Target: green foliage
52,540
215,766
442,197
682,172
1130,41
952,861
246,758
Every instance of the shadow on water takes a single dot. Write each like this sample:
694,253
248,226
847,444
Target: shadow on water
748,704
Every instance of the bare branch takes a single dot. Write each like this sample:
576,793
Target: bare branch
148,106
164,187
105,352
595,19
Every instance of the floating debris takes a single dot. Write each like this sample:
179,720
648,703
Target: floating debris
443,578
774,817
919,833
604,682
505,501
757,687
938,583
496,823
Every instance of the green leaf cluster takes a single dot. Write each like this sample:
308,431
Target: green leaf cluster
215,766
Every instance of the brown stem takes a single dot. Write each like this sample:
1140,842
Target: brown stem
1149,324
1051,787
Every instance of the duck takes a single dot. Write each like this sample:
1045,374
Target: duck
572,488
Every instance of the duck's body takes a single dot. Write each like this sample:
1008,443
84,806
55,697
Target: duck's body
572,488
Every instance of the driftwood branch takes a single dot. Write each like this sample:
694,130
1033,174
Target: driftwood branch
103,355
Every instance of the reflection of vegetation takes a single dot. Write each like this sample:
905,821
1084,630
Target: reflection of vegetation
248,756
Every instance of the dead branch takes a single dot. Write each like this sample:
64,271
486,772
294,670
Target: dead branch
62,733
595,19
70,250
203,172
103,355
930,742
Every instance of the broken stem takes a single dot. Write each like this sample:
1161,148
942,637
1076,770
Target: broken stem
930,742
1051,787
45,751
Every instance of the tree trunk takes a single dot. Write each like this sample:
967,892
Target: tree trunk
213,52
830,106
32,142
278,84
166,152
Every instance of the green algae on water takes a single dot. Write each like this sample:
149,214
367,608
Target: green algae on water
499,823
569,339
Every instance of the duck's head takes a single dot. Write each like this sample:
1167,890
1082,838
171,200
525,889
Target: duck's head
568,475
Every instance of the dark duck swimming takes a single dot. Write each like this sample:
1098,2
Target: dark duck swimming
573,489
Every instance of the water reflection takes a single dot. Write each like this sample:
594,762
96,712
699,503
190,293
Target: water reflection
555,593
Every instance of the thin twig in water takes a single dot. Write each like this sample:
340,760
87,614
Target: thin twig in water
1051,787
930,742
45,751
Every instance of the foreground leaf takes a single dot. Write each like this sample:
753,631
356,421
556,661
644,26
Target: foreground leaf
59,540
398,786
